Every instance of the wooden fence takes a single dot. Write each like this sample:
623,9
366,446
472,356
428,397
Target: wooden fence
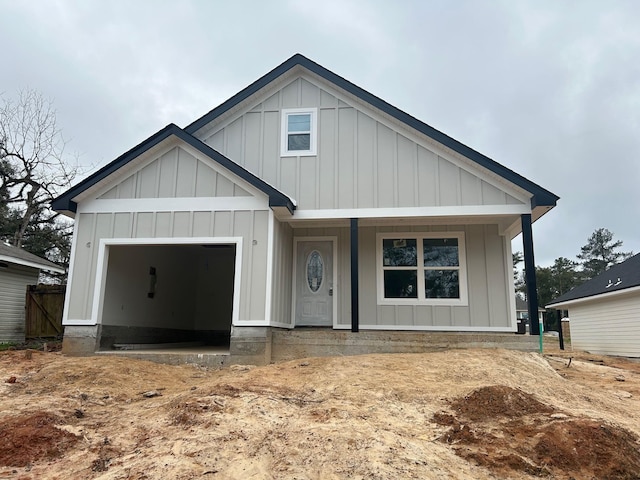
43,314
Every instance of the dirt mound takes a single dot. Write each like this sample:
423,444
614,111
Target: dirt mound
370,416
498,401
26,439
508,430
594,448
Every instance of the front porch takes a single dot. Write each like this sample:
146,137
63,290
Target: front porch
263,345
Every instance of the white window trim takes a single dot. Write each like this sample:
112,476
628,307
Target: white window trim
419,236
313,142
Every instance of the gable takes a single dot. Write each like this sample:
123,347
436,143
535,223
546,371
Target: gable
97,183
540,199
363,160
175,174
370,154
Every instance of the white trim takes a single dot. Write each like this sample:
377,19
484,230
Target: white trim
449,211
76,322
28,263
182,204
296,240
419,236
511,286
595,298
250,323
269,279
431,328
103,257
284,132
72,258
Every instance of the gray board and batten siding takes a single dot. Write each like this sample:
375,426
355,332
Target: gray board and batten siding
174,174
489,307
362,162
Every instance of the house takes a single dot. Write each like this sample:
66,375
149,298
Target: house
522,311
604,312
302,201
18,268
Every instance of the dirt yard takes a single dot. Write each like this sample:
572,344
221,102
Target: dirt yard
460,414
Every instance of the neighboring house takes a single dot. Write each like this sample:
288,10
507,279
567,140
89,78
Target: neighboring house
604,313
18,269
302,201
522,311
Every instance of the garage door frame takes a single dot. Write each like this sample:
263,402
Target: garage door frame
103,265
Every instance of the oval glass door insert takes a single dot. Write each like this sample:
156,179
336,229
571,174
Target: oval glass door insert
315,268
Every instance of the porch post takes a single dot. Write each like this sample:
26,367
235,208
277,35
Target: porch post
355,321
530,274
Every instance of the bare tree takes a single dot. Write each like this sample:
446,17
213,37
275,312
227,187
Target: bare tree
33,165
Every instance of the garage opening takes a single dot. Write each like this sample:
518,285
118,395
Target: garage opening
168,295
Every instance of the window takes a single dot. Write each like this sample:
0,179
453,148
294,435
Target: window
424,268
298,132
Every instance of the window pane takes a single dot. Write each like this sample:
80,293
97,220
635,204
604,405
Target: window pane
315,271
441,252
299,123
399,252
299,142
400,284
441,284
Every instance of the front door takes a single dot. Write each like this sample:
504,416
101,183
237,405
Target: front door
314,283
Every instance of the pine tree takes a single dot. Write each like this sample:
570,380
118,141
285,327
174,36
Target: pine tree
600,253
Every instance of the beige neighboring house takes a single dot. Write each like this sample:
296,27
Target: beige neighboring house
18,268
604,312
302,201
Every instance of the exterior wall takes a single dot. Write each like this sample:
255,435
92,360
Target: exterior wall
610,327
13,290
252,226
488,274
361,162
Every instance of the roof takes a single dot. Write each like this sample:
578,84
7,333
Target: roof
623,276
540,196
65,201
18,256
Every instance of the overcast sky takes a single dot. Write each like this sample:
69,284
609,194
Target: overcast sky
550,89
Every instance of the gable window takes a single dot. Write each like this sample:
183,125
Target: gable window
299,131
421,268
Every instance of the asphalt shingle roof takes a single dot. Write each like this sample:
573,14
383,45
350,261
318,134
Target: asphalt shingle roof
619,277
9,252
